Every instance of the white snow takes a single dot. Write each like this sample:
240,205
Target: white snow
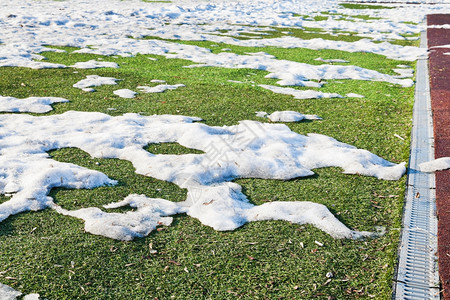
94,64
261,114
299,94
94,80
139,223
159,88
8,293
125,93
444,26
30,104
287,116
404,73
441,46
354,95
332,60
290,116
248,150
263,54
438,164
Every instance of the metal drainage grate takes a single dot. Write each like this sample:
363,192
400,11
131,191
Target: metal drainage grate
417,275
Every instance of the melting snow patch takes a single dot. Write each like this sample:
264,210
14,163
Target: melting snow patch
444,26
247,150
291,116
300,94
125,93
159,88
31,104
287,116
442,46
263,54
332,60
315,214
353,95
94,64
261,114
8,293
94,80
442,163
404,73
125,226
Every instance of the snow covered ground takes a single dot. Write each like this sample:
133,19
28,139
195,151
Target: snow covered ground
248,150
116,29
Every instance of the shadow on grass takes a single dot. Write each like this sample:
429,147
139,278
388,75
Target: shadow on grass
7,227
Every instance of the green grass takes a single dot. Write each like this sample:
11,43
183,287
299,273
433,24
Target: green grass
50,254
410,23
171,148
320,18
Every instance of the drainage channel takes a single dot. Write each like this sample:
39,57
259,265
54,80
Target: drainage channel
417,274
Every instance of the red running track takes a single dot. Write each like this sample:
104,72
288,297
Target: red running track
439,68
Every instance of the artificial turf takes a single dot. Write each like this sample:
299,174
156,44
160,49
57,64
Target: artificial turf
50,254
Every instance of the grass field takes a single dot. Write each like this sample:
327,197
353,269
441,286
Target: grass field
50,254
